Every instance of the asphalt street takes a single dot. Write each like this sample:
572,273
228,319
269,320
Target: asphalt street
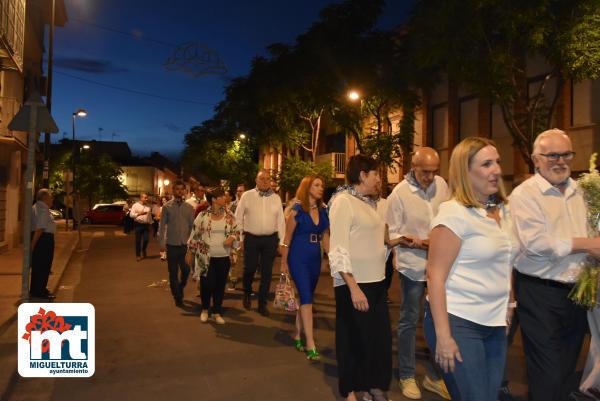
147,349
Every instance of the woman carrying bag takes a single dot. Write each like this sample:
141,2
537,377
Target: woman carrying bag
306,226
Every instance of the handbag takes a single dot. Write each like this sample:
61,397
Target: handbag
285,297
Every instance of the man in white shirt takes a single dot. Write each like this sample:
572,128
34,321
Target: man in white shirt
142,219
259,215
550,221
412,205
43,229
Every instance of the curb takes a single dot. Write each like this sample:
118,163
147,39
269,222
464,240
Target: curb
52,284
10,376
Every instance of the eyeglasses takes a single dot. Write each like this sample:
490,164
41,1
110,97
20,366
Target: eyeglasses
554,157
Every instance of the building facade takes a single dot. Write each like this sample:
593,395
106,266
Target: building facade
449,114
22,32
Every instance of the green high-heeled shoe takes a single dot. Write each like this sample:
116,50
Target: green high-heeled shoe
313,355
298,344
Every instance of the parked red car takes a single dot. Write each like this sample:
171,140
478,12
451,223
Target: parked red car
105,214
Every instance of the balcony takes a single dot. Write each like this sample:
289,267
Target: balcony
12,34
337,161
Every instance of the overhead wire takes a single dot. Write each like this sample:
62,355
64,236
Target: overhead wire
134,91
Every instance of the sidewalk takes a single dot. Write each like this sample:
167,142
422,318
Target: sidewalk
11,266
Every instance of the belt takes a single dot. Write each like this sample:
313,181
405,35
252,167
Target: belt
314,238
545,282
254,235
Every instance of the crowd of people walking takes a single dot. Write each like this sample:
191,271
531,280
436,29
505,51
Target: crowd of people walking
482,260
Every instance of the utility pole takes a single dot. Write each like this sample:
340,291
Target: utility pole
33,118
46,171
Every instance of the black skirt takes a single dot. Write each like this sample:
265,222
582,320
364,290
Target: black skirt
363,340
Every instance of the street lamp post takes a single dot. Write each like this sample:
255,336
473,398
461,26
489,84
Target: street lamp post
355,96
78,113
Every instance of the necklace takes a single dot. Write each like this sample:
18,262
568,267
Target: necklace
314,206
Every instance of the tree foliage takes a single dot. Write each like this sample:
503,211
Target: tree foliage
211,153
485,45
294,169
96,177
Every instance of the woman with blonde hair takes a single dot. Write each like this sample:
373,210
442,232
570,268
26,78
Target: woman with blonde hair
471,250
306,226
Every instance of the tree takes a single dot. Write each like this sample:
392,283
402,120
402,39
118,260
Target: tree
284,98
484,45
96,177
294,169
211,151
385,80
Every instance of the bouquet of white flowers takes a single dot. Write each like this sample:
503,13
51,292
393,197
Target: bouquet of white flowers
585,291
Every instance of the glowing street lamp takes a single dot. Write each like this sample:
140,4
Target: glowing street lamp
353,95
79,113
242,136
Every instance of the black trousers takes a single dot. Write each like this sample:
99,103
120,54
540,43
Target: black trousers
141,237
213,284
178,269
389,270
259,250
363,340
41,263
553,328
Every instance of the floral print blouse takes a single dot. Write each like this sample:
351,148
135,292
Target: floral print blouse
198,241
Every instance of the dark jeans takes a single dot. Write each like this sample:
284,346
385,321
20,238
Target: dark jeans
553,328
127,224
259,250
141,238
483,350
213,284
41,263
412,292
178,269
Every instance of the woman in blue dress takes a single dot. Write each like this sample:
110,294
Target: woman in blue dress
306,226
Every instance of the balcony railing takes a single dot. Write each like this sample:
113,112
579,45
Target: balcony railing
337,160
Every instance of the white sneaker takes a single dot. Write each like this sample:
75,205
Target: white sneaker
409,388
218,319
204,316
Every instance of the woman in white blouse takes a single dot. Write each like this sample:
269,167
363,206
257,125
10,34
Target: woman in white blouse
210,243
471,250
357,261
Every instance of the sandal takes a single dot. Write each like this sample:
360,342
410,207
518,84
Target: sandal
378,395
313,355
299,345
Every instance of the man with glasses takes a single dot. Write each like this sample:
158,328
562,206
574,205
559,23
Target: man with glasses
549,215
